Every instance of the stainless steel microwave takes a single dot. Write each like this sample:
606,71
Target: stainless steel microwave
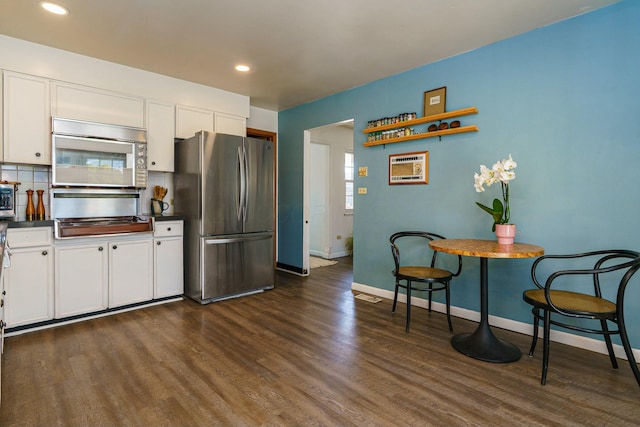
7,201
87,154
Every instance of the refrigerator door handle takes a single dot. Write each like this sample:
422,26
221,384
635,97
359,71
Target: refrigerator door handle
236,239
240,207
247,187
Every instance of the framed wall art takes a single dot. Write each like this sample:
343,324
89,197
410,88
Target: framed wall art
409,168
435,101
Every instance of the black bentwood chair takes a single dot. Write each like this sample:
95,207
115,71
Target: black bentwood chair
607,269
420,278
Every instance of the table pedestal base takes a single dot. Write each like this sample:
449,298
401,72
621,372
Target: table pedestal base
484,345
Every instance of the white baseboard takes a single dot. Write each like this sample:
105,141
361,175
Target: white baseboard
327,255
499,322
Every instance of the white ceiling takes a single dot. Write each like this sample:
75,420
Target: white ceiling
300,50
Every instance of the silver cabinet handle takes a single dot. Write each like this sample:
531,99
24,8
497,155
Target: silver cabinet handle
44,252
115,247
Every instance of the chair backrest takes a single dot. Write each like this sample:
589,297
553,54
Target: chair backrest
395,249
600,264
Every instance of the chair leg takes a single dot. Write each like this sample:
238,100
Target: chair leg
627,349
536,323
395,297
545,353
607,340
430,293
406,328
447,296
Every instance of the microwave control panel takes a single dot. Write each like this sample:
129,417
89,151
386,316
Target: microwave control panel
141,165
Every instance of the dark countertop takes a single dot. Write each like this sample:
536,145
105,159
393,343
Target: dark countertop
28,224
10,223
168,217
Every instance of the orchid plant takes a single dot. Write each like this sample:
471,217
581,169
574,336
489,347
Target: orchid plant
503,173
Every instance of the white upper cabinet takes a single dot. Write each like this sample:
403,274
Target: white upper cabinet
96,105
190,120
161,131
26,119
231,125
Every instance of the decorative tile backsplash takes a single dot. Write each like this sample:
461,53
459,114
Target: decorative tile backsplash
39,178
30,178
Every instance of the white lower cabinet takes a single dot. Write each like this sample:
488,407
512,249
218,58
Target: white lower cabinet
81,278
130,272
48,280
167,259
98,274
28,282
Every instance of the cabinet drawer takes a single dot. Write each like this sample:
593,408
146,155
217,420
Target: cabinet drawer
168,228
24,237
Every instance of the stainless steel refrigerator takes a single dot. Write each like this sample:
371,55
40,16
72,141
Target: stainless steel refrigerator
224,187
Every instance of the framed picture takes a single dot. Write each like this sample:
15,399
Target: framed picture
409,168
435,101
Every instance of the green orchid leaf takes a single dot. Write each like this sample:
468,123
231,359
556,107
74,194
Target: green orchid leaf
496,213
498,210
485,208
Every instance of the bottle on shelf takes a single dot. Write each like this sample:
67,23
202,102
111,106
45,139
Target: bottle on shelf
30,212
40,214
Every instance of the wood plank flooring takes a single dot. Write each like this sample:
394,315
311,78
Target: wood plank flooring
304,354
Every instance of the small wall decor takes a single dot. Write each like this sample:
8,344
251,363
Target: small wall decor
409,168
435,101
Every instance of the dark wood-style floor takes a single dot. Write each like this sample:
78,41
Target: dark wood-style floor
304,354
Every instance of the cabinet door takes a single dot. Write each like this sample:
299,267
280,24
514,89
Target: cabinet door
29,286
81,279
97,105
190,120
169,272
231,125
161,131
130,272
27,119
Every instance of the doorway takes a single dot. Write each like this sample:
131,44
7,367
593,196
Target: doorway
327,222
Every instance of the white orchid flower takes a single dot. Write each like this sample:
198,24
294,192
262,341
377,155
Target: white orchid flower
479,180
506,176
503,172
509,164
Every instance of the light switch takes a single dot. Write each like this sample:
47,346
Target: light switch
362,190
363,171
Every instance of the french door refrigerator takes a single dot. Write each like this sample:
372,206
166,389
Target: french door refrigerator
223,185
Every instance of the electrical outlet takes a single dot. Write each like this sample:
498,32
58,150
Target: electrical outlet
362,190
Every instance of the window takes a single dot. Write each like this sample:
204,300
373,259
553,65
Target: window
348,181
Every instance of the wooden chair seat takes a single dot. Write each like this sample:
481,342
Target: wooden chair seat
418,273
571,301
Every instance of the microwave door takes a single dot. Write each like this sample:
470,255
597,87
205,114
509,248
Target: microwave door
93,162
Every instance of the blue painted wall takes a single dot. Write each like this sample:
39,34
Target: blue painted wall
564,100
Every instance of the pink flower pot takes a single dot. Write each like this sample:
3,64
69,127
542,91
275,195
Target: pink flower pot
505,233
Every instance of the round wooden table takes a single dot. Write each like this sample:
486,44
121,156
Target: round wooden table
483,344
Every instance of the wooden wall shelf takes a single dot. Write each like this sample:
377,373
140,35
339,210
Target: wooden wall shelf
423,120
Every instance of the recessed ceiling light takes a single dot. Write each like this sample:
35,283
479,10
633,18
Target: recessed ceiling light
54,8
243,68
